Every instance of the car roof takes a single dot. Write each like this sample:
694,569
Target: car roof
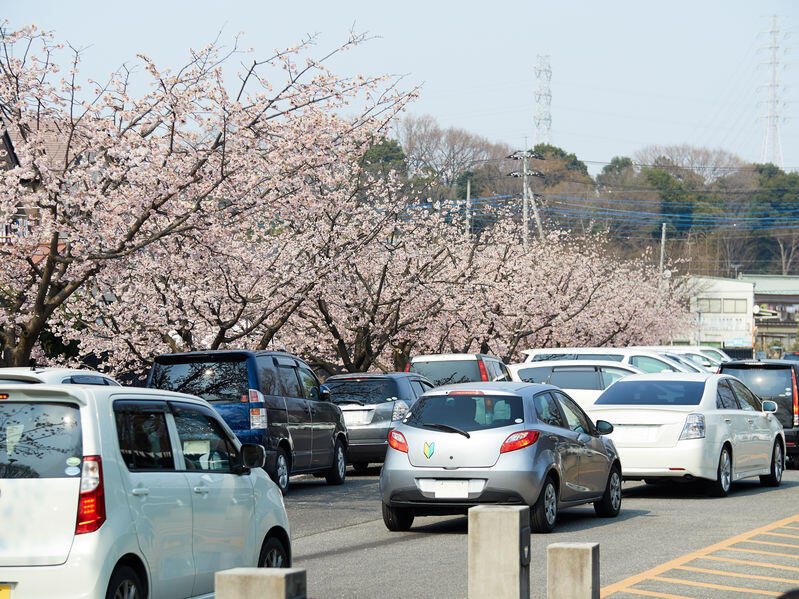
84,394
222,352
374,375
547,363
38,373
500,388
701,377
760,362
448,357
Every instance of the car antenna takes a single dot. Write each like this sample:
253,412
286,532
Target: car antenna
33,363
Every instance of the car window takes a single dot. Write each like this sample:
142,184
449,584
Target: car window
648,364
203,441
289,383
143,437
725,398
547,410
653,393
609,375
492,370
766,382
417,387
267,375
747,401
574,377
537,374
575,418
611,357
221,378
502,372
310,386
40,440
447,372
84,379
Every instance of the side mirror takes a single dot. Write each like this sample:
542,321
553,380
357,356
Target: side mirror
770,406
324,393
603,427
252,455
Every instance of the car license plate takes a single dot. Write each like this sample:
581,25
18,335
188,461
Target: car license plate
5,591
627,434
451,489
356,417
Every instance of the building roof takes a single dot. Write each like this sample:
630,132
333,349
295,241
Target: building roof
773,284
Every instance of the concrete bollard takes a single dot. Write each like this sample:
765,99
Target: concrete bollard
260,583
499,552
573,571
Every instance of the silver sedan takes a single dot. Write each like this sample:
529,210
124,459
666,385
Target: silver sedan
498,443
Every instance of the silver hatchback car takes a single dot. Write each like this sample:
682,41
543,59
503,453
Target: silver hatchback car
498,443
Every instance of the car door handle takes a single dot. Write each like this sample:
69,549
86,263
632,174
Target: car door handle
201,490
750,420
140,492
554,438
727,420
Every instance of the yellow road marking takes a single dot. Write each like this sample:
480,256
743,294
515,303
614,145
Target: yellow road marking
655,594
720,587
780,534
738,575
624,585
772,543
750,563
793,555
792,527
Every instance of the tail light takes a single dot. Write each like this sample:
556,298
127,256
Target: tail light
408,367
91,501
483,373
400,409
694,427
397,441
795,399
258,419
519,441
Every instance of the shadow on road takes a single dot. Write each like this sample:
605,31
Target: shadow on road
697,489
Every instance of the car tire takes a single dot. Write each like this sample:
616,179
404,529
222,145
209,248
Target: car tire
338,471
610,504
273,554
125,583
361,467
721,486
397,519
282,470
774,478
544,514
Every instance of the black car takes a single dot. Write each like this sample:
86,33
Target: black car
372,404
774,380
266,397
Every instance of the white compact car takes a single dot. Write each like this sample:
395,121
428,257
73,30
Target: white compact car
583,380
706,426
54,376
126,492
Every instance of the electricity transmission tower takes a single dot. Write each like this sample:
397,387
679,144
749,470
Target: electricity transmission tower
542,119
772,145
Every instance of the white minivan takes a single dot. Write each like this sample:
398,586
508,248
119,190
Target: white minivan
126,492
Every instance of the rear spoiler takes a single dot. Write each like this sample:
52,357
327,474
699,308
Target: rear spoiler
38,392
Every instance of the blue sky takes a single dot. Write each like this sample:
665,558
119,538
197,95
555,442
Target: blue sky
624,74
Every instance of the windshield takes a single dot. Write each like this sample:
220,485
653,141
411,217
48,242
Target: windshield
366,391
448,372
766,382
467,412
653,393
221,380
40,440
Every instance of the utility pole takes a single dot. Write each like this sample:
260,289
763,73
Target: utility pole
468,206
528,197
662,246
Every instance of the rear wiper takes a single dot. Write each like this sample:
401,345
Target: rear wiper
447,429
359,402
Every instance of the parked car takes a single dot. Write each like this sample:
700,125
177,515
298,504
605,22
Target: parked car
789,355
270,398
705,426
450,369
372,404
774,380
498,443
690,364
714,353
646,360
110,491
582,380
54,376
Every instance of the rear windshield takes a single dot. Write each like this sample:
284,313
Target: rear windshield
794,357
221,380
766,382
653,393
365,391
467,412
449,372
40,440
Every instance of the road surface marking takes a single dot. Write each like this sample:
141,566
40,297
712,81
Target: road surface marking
750,563
720,587
655,594
793,555
773,544
738,575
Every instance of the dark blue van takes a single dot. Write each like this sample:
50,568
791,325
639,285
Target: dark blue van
267,397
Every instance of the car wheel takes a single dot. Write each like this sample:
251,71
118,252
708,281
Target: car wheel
282,470
125,584
544,514
361,467
721,486
397,519
338,471
774,478
273,554
610,504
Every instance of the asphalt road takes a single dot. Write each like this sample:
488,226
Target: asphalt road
340,539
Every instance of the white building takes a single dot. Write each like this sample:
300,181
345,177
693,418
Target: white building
723,312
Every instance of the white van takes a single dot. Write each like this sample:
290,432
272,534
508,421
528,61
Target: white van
645,360
126,492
